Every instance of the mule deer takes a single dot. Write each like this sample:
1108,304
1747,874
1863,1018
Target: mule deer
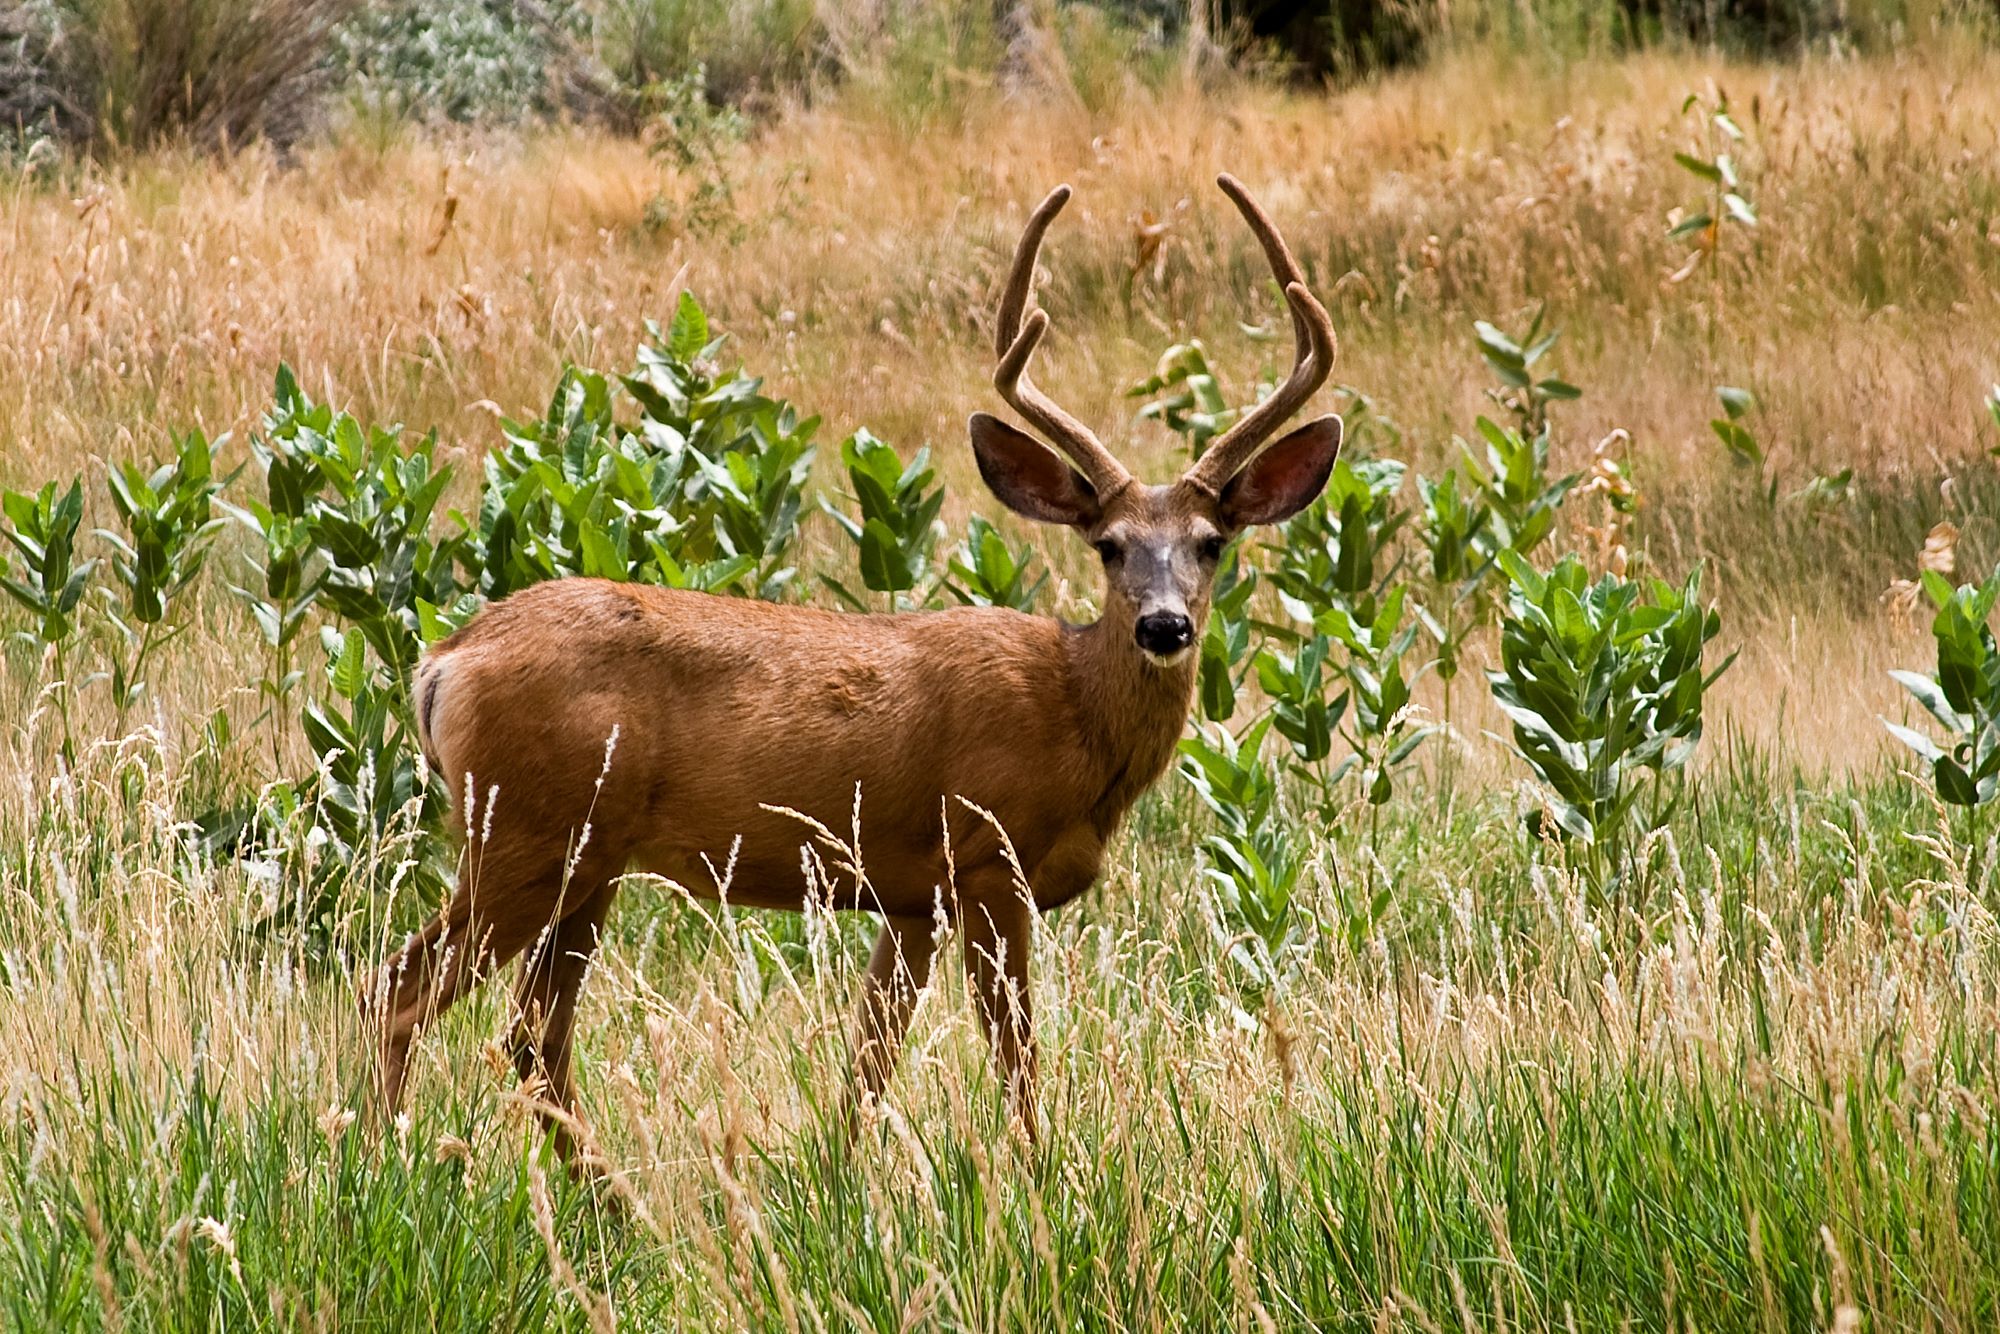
979,739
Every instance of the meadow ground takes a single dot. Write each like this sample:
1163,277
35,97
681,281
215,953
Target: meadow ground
1754,1087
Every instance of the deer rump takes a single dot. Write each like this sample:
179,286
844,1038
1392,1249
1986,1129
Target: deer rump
740,725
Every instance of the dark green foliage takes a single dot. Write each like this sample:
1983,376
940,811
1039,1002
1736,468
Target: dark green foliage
1295,684
45,576
702,491
169,522
1383,735
986,572
1964,696
1340,550
367,505
897,526
1513,482
1255,857
1452,527
364,823
1225,644
1602,681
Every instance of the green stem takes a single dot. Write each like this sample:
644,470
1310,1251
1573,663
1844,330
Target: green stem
62,706
283,649
1374,844
135,677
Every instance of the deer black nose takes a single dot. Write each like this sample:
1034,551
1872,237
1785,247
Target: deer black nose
1164,632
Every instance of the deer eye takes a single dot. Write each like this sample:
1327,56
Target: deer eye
1109,550
1211,547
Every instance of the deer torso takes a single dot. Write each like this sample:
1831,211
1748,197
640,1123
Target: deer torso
741,725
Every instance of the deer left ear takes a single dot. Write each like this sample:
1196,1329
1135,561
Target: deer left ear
1284,479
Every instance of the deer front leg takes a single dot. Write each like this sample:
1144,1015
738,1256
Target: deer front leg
998,927
898,970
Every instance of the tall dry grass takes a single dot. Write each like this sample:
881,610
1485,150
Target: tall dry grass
442,282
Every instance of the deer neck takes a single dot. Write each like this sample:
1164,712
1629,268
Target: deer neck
1130,709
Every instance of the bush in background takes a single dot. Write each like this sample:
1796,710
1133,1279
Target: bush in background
470,60
135,73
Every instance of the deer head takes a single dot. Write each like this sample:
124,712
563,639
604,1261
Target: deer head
1159,543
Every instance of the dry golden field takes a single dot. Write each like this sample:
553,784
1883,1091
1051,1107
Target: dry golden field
855,262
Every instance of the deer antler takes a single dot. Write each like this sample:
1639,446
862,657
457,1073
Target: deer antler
1015,343
1312,358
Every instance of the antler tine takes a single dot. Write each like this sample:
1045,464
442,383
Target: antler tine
1312,359
1014,344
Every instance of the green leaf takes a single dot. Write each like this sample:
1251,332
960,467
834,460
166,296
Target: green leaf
687,335
1708,171
1928,693
1735,402
1693,223
1954,785
1741,443
349,671
1916,741
884,567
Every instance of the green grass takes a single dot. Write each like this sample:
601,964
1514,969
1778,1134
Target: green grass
1756,1090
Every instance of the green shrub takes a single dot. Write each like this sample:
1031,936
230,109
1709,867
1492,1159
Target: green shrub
1603,682
1964,696
462,60
169,523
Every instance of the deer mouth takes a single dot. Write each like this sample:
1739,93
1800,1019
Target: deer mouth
1166,660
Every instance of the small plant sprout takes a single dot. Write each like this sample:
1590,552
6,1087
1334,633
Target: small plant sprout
48,580
1451,524
898,523
1187,396
284,556
1225,644
1730,430
1826,492
1964,698
985,572
1723,206
169,523
1524,391
1713,165
1992,404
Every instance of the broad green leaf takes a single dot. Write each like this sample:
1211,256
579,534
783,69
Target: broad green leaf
350,668
687,335
1916,741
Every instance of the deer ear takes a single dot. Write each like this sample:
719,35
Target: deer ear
1285,478
1030,478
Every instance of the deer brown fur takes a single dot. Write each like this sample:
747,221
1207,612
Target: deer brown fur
588,727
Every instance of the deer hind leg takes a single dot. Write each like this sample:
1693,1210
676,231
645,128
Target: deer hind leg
898,970
552,974
498,909
998,928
